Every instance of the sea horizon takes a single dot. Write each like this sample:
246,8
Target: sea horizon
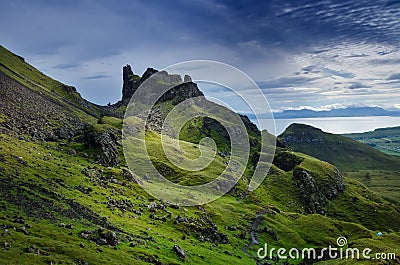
336,125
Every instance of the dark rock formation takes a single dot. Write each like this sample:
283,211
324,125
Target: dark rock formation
182,92
149,72
315,193
187,79
106,142
179,252
130,176
204,227
251,127
130,83
69,89
286,161
179,92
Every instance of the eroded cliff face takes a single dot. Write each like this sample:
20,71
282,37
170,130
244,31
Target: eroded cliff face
315,192
130,83
182,89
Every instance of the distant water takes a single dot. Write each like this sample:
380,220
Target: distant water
337,125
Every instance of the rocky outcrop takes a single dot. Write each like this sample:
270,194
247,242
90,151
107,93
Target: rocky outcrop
182,92
181,89
286,161
130,176
69,89
314,193
130,83
106,142
179,252
106,237
187,79
149,72
250,126
204,227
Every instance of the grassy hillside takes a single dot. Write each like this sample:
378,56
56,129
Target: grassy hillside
386,140
383,182
61,196
347,154
67,196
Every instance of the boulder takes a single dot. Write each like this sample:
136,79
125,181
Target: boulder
106,142
130,176
111,238
179,252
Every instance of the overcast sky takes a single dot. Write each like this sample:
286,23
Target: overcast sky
314,54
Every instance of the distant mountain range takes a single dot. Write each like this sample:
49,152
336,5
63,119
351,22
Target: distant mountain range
344,112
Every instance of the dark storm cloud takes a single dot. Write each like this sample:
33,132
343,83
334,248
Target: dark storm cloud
249,34
357,55
99,76
286,82
104,28
65,66
384,61
358,85
394,77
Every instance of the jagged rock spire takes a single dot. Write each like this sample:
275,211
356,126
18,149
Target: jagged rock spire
149,72
127,86
131,83
187,79
183,89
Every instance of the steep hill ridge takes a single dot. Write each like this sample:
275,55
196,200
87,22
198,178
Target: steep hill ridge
16,68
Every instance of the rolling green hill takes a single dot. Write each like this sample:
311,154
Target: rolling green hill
345,153
67,197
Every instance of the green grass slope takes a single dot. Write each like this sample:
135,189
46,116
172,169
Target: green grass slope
347,154
383,182
47,187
